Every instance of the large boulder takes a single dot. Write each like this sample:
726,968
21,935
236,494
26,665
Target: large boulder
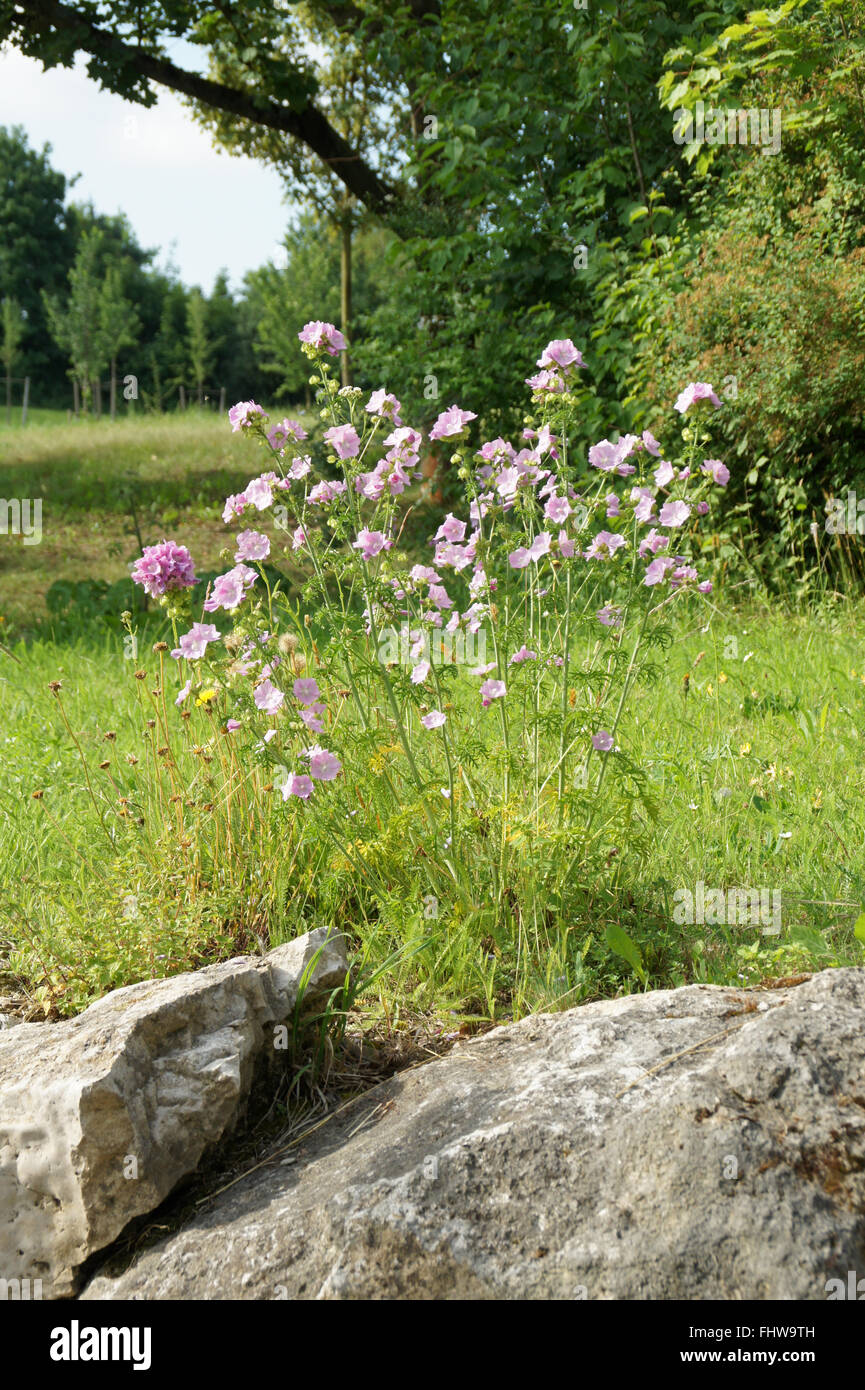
698,1143
101,1115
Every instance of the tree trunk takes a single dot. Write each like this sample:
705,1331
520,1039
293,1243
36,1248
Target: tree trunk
113,389
9,396
76,404
345,295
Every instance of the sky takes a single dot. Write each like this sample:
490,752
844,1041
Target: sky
204,211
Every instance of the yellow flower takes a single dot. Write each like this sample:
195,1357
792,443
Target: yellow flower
722,679
205,697
744,750
710,690
818,799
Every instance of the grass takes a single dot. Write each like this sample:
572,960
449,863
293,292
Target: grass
749,742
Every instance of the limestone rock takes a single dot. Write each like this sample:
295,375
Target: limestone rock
701,1143
102,1115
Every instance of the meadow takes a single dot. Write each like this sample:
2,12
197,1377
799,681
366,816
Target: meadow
136,841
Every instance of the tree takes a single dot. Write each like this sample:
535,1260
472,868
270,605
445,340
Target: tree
36,251
201,347
118,324
77,325
13,331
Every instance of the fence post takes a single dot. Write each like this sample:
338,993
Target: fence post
76,403
222,400
182,391
26,401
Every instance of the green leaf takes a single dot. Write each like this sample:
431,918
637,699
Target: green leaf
621,945
859,928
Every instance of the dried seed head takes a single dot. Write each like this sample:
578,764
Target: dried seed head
110,736
54,686
160,646
37,796
151,723
288,642
141,675
131,759
104,765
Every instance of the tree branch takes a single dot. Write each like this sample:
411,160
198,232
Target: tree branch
308,125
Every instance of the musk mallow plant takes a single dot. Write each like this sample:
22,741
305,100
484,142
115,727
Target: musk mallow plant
448,731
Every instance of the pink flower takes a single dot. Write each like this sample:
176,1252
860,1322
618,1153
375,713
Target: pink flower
234,505
651,443
604,546
561,353
602,741
519,558
675,513
386,406
719,471
611,457
705,587
258,494
440,597
371,543
482,670
451,422
244,415
323,766
652,542
656,572
326,491
566,546
306,690
193,644
492,690
344,441
300,467
312,717
252,545
540,546
298,538
523,655
420,673
557,510
664,473
614,505
434,719
451,529
694,392
232,725
610,615
422,574
286,432
230,589
296,785
323,336
164,567
184,693
267,698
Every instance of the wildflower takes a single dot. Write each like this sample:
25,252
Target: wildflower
323,337
451,529
184,693
664,473
656,572
230,589
609,615
298,539
451,422
323,766
306,690
193,644
651,443
434,719
482,670
420,673
244,415
344,441
561,353
524,654
252,545
602,741
384,405
232,725
557,509
164,567
719,471
286,432
326,491
371,543
234,506
296,785
267,698
694,392
675,513
604,546
492,690
258,494
300,467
